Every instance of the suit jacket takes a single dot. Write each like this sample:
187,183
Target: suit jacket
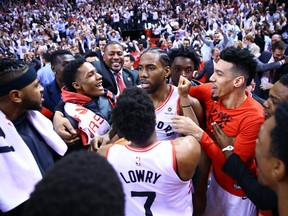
208,69
263,197
264,58
51,95
130,77
99,55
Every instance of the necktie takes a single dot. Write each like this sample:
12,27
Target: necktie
120,82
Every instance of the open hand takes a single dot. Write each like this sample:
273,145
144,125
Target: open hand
222,140
186,126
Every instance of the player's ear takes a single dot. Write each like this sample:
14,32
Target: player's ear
76,85
167,71
239,81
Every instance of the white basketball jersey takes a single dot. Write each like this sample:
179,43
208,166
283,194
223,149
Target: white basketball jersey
164,113
149,180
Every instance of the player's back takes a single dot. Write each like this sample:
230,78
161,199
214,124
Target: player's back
149,179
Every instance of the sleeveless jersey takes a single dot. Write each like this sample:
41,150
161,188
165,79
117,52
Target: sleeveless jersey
164,113
149,180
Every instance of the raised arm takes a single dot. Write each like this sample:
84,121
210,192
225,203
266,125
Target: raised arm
185,99
270,66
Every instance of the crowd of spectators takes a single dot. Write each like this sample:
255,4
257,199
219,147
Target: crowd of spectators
48,34
43,26
30,30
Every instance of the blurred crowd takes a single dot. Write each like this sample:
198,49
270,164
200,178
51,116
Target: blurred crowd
42,26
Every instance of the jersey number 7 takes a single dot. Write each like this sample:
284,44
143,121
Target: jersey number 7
150,199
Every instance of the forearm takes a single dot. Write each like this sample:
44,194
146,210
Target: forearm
211,149
200,182
207,42
187,109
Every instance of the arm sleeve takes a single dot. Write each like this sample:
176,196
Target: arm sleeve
263,197
207,42
225,40
60,106
267,66
211,149
244,144
200,92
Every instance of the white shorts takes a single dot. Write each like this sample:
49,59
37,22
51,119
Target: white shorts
222,203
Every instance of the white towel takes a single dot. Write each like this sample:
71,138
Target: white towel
19,171
89,122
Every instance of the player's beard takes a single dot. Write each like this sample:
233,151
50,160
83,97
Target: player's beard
29,104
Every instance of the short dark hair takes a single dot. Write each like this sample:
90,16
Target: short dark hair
163,56
132,59
47,57
103,39
187,52
278,45
90,53
134,115
70,72
112,43
186,39
214,50
284,80
279,134
81,183
11,69
243,62
54,55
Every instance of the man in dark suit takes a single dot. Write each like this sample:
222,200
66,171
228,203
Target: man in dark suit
265,80
208,68
101,44
52,91
112,66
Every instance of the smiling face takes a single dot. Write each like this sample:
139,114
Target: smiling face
114,57
151,72
216,37
88,82
278,54
222,80
181,66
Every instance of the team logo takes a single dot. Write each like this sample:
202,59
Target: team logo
169,111
138,159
